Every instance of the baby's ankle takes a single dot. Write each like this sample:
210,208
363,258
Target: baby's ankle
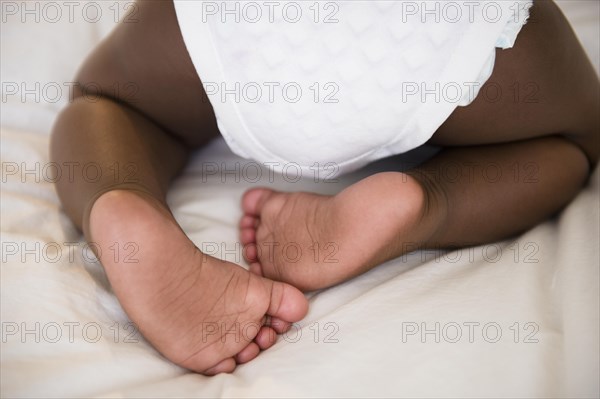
120,217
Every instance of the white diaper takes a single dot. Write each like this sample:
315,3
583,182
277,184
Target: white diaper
334,85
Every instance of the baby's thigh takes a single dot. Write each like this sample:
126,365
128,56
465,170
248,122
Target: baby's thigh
544,85
144,63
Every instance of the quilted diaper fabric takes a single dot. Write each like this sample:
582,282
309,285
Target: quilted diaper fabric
333,85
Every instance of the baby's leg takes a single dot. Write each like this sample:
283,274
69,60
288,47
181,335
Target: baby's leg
527,153
507,165
201,313
544,86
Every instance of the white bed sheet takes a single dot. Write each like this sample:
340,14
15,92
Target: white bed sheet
547,277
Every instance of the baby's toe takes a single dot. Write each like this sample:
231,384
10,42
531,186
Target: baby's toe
280,326
248,353
255,267
287,302
224,366
249,221
265,338
247,235
254,200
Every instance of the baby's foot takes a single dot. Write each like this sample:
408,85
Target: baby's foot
200,312
313,241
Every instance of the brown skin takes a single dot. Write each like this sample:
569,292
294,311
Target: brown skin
169,115
554,140
201,313
161,104
506,166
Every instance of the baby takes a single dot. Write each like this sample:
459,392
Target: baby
542,152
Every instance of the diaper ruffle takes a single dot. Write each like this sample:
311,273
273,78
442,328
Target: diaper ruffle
518,18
